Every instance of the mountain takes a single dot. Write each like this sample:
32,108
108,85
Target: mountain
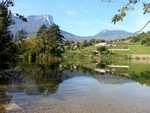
105,34
112,34
35,21
72,37
33,24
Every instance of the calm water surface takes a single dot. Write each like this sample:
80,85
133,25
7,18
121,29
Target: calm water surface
55,88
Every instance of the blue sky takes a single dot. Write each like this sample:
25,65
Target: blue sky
84,17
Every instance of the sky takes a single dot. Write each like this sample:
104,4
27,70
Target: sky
84,17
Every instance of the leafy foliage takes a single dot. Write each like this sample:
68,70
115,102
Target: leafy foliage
101,48
46,41
143,38
51,39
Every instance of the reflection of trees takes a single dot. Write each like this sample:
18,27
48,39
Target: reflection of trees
142,77
76,67
45,77
49,77
7,79
12,77
103,64
4,98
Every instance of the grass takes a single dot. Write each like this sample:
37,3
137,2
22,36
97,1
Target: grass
79,53
119,45
135,49
86,53
134,67
81,57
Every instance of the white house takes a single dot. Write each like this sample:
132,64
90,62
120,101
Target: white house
101,44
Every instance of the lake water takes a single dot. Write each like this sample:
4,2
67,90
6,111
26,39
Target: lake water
73,88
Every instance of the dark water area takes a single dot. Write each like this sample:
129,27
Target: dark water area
60,87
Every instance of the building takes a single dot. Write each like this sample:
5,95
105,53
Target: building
101,44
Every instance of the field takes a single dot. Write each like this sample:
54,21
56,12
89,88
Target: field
135,49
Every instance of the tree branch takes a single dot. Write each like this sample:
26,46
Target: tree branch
140,29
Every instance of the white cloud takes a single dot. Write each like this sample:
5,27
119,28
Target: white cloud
70,12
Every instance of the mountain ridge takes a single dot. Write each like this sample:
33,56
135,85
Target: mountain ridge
35,21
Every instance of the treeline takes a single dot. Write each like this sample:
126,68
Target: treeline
71,45
47,41
142,38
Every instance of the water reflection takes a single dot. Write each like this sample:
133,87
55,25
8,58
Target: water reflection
41,79
4,98
26,81
33,79
142,77
136,71
111,79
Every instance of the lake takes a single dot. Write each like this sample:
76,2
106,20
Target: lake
61,87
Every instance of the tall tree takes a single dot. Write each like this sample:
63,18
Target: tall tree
41,31
21,43
7,46
41,38
50,39
55,36
5,21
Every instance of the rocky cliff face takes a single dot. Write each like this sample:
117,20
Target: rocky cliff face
33,24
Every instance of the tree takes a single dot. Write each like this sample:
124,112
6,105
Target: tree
143,38
41,37
41,31
7,45
85,43
56,40
101,48
51,40
5,35
22,34
20,39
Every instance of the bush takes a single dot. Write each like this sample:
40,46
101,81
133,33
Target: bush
101,48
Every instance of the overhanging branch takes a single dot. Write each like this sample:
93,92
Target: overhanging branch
140,29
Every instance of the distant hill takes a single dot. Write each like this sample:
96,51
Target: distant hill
112,34
105,34
72,37
35,21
